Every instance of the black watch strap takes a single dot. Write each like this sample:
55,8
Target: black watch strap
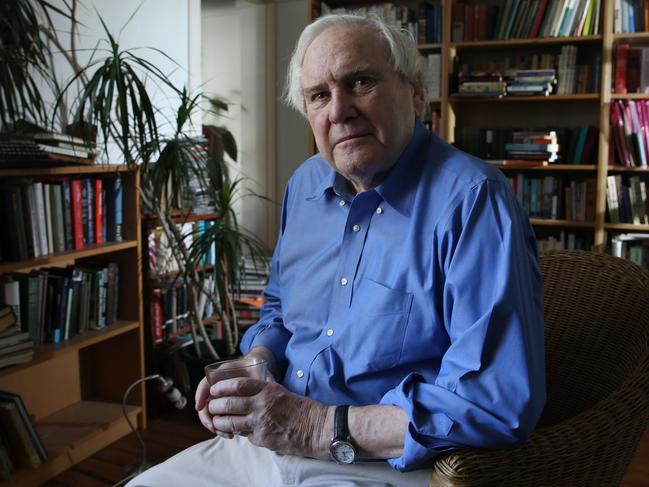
341,430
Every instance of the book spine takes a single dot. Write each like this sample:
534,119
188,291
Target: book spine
67,215
77,213
99,211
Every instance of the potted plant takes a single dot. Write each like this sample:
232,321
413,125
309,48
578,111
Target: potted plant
115,97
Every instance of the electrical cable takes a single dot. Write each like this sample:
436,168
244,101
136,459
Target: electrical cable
174,395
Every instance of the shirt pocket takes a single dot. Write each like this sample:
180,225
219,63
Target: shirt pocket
375,327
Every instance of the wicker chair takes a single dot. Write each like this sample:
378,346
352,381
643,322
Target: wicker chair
597,359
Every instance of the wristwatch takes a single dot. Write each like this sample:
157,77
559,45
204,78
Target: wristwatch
342,451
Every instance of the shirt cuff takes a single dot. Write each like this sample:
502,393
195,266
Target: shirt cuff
266,335
424,427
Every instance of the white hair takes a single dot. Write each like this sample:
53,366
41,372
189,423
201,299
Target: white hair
404,56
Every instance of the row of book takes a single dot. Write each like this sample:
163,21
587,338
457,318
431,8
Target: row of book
170,312
424,24
629,133
630,16
575,145
631,68
626,200
564,241
20,444
16,345
563,74
57,214
632,246
556,198
525,19
162,261
54,304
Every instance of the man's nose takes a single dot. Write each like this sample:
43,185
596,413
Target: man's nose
342,106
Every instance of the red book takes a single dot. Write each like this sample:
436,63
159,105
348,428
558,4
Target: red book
77,218
540,12
621,59
99,212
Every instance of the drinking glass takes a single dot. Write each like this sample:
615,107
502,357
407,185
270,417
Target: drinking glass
241,367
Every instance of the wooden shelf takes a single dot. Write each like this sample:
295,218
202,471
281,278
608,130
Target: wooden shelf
631,36
542,41
628,169
61,258
184,216
629,96
48,351
74,433
549,167
63,170
626,226
561,223
429,47
519,99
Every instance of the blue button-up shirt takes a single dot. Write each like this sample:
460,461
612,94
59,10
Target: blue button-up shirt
423,292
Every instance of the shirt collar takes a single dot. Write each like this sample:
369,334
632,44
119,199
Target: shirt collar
392,190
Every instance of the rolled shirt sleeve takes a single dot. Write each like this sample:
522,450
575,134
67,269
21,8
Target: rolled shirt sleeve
490,389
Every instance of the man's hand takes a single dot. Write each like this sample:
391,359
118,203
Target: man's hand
203,390
269,415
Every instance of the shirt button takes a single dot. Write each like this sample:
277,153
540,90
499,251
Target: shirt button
300,373
343,281
379,210
356,228
341,203
330,332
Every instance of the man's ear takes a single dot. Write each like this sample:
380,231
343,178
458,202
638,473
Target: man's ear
418,97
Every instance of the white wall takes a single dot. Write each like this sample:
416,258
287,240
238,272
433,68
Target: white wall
245,50
159,24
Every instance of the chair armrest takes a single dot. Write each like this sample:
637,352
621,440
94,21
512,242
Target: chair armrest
592,448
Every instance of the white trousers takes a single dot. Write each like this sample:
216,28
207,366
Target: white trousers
239,463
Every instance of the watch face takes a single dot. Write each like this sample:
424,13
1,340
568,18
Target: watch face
342,452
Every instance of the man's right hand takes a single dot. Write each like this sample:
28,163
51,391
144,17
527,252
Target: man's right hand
202,396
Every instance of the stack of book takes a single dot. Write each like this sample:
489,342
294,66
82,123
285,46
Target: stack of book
563,241
424,25
522,19
45,149
481,84
16,345
632,246
58,214
630,132
249,299
538,146
529,82
20,445
56,304
630,16
631,68
626,201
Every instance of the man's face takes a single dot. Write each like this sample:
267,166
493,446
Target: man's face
361,111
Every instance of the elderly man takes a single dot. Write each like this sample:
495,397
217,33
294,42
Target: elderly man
404,313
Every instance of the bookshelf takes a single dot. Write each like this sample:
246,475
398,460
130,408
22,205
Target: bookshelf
73,389
591,108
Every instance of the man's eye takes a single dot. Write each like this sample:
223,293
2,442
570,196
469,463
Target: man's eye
363,82
320,96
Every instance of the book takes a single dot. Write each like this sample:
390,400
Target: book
21,448
7,317
16,400
6,466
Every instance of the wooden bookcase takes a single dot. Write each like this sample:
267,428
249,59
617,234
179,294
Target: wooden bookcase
561,110
73,390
